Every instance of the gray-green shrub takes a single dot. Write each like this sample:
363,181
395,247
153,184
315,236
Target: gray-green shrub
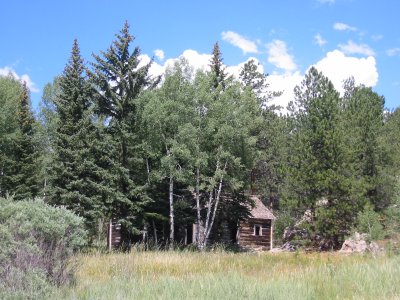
37,242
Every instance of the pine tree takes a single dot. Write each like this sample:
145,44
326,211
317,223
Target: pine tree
118,80
268,171
217,68
26,168
252,78
78,179
10,91
318,175
363,122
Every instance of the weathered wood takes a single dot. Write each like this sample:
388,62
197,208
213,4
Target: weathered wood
247,233
114,236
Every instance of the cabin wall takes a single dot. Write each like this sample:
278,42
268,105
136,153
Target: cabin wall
247,234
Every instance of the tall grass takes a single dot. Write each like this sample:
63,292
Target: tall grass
191,275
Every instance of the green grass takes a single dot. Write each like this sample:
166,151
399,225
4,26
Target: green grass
220,275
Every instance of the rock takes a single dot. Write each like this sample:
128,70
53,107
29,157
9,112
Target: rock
286,247
350,246
307,218
276,250
374,248
357,244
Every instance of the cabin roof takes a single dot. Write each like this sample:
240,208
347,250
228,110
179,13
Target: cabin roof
260,211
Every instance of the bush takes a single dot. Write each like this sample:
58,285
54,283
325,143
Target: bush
368,222
283,221
37,242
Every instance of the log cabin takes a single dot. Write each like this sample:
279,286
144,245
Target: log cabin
256,232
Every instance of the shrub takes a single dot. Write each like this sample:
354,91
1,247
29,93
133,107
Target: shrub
368,222
283,221
37,242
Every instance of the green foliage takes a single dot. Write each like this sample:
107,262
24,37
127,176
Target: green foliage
369,222
334,162
117,80
37,243
19,153
46,135
115,142
252,78
78,179
25,176
218,74
365,156
283,220
10,91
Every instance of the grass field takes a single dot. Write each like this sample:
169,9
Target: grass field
222,275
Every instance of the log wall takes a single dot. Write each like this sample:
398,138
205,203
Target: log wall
247,237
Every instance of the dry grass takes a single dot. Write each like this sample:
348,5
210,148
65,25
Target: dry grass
221,275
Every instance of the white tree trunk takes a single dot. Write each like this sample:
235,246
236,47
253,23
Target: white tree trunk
171,213
212,208
198,242
218,196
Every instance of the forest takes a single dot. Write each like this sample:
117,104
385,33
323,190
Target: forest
160,153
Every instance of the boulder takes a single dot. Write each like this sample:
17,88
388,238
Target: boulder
286,247
350,246
357,244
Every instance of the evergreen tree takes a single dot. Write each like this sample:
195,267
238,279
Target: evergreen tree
317,167
268,172
218,75
363,121
252,78
10,92
78,180
25,169
118,79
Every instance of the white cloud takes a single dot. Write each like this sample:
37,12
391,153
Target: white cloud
338,67
319,40
196,60
286,84
335,65
235,70
326,1
278,56
24,78
155,68
393,52
343,27
377,37
159,54
239,41
353,48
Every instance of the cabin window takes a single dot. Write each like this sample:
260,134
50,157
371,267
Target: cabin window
257,230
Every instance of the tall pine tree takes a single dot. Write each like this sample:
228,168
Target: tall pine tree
78,180
25,168
10,91
218,75
318,178
118,79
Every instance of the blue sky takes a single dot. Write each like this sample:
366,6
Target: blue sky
340,37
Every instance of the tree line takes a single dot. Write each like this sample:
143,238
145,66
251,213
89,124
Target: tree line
159,154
